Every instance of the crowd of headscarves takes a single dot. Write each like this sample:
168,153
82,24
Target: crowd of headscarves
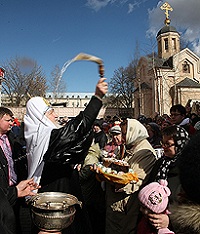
168,166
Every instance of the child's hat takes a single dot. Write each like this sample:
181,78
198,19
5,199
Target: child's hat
155,195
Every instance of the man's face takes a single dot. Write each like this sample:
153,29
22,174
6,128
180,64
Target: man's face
176,117
96,128
51,115
5,123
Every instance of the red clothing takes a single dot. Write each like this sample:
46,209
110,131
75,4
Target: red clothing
112,149
144,227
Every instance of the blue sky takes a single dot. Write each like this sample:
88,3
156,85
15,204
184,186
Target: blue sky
55,31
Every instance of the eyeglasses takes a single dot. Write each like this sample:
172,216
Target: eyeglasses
175,115
166,145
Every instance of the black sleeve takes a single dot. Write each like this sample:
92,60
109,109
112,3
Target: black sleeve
70,143
11,194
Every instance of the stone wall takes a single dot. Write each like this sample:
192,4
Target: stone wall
19,112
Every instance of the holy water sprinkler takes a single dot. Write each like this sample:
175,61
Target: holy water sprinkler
82,56
91,58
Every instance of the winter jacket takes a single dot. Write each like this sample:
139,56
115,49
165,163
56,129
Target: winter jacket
7,217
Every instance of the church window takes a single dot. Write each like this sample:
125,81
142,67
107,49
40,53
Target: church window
174,43
166,44
186,67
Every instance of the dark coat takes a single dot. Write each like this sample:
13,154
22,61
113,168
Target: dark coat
16,153
8,209
185,215
69,145
174,184
101,139
7,217
173,178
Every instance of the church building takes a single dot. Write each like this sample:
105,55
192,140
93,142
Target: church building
172,78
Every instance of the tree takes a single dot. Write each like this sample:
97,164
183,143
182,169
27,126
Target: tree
57,84
23,79
122,88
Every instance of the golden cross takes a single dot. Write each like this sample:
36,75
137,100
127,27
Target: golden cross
167,8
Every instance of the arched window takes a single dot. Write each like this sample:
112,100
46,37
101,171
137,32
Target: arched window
186,67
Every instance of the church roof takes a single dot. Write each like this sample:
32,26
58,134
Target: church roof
168,63
187,82
165,29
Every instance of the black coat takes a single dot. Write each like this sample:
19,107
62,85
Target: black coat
69,145
101,139
17,151
7,217
173,178
9,193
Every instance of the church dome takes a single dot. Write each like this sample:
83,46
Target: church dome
165,29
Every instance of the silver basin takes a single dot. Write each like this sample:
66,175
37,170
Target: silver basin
53,211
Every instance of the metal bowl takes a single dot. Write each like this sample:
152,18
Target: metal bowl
53,211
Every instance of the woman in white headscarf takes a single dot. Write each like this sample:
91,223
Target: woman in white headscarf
52,151
122,205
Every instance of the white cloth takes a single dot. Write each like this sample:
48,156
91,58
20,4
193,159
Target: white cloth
184,122
135,132
37,132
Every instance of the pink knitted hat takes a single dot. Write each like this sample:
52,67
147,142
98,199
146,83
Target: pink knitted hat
155,195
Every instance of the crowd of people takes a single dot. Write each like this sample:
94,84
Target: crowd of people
46,155
156,149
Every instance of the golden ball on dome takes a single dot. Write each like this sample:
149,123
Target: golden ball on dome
167,21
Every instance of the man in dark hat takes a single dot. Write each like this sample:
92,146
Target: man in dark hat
99,135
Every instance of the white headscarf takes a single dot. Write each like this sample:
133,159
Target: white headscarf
37,131
135,132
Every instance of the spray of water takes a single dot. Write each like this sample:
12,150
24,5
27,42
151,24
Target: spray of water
81,56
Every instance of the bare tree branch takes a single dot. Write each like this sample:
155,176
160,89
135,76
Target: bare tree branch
23,78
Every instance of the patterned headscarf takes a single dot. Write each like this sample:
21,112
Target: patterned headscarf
181,138
135,132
